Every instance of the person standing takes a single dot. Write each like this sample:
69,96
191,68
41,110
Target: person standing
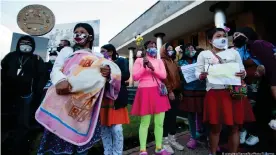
62,44
219,105
172,83
23,79
114,113
193,94
149,101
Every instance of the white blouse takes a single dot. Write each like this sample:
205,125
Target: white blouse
207,57
56,74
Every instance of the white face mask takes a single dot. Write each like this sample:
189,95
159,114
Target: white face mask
139,54
220,43
25,48
52,58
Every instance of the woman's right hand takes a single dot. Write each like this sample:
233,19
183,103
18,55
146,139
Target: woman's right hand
203,76
63,88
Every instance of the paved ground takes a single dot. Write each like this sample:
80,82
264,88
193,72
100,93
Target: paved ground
183,138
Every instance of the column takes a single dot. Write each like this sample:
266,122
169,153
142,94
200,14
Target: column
219,14
159,40
131,51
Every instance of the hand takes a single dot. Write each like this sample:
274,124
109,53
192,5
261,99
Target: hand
240,74
260,71
171,96
63,88
105,71
150,66
203,76
145,61
180,97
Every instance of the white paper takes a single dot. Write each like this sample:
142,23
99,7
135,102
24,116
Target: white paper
188,72
223,74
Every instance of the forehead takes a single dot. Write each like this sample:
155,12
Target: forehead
81,29
25,41
169,47
219,33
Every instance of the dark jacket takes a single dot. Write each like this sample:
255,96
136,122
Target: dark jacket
32,81
122,99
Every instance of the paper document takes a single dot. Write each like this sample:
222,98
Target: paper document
188,72
223,74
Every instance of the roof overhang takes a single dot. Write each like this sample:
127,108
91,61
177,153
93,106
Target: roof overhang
191,16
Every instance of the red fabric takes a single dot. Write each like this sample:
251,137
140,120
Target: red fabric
192,101
148,101
220,108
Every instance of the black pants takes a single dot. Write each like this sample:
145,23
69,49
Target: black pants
170,117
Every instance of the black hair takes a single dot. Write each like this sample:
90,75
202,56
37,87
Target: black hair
89,29
28,38
110,47
248,32
67,42
211,33
147,43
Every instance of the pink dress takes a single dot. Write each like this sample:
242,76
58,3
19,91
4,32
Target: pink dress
147,100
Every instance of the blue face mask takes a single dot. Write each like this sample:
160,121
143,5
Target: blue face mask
170,53
152,52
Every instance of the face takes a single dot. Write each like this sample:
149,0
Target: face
81,36
218,35
62,43
25,46
170,48
239,39
151,45
107,54
190,51
237,34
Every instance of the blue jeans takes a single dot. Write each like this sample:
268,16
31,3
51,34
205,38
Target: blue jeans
83,153
113,139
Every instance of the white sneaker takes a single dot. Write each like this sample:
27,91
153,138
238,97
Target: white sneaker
167,146
242,137
252,140
174,143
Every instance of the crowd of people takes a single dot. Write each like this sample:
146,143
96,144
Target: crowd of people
246,110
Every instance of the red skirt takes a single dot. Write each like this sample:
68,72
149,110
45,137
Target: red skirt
220,108
192,101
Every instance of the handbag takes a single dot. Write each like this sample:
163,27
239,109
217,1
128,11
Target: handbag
162,89
236,92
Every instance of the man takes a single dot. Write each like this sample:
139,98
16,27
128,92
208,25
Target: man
22,82
49,65
62,44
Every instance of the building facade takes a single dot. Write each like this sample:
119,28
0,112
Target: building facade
181,22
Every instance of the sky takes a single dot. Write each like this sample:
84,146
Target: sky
114,15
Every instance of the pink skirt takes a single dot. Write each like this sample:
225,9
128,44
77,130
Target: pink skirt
148,101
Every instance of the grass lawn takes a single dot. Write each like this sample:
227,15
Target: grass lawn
131,135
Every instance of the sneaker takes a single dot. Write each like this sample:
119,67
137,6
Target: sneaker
174,143
143,153
191,143
243,136
252,140
162,152
167,146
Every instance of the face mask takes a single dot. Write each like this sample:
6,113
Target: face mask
220,43
152,52
105,54
25,48
170,53
80,38
139,54
59,48
239,41
190,53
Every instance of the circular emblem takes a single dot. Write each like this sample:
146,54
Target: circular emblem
36,20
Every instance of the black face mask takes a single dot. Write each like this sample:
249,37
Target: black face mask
59,48
240,41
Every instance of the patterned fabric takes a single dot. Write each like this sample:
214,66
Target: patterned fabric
238,92
113,139
74,117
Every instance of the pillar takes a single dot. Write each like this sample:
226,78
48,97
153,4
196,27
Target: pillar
159,40
219,14
131,51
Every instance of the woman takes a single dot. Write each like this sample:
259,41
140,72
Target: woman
219,107
172,83
148,101
193,94
265,98
112,117
83,37
252,81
